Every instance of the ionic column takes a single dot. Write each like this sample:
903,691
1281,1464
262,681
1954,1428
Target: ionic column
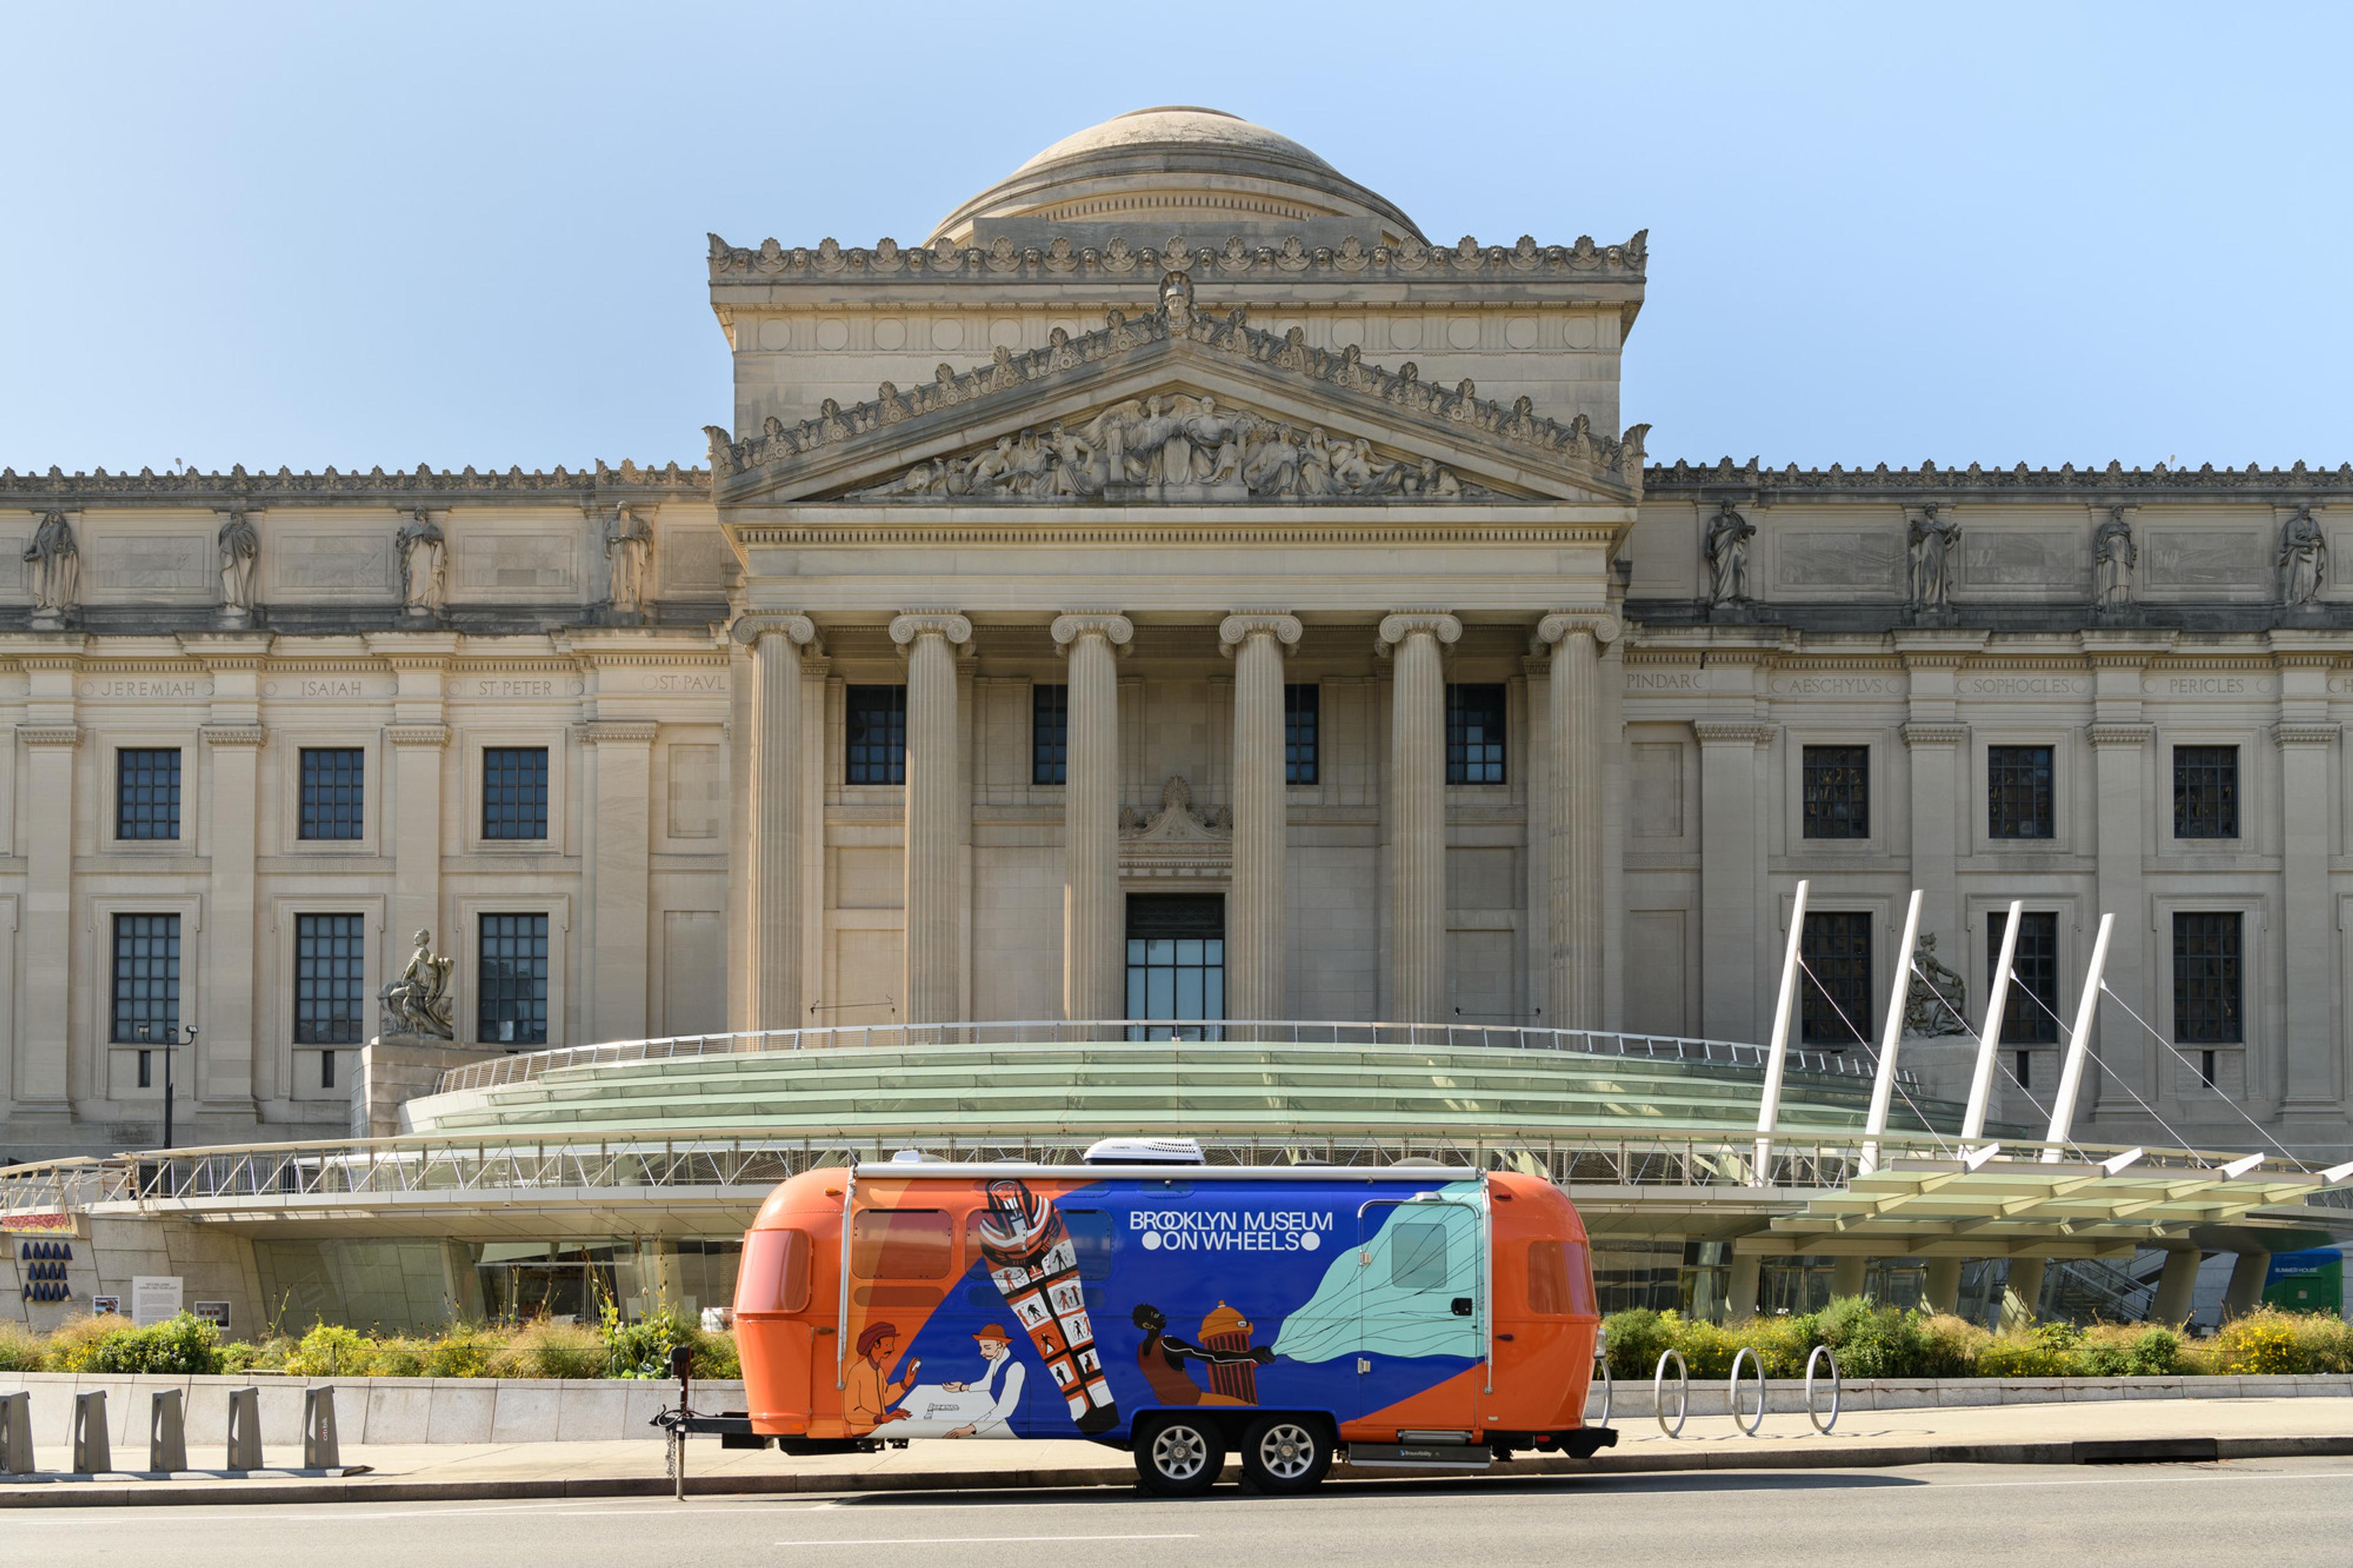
928,640
1257,922
772,857
1415,640
1574,779
1094,975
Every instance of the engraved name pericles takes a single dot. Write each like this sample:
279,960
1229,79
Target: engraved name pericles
2210,685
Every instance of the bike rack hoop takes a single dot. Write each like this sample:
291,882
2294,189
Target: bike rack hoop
1732,1390
1822,1424
1683,1393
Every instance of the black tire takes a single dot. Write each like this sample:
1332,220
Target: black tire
1284,1454
1178,1455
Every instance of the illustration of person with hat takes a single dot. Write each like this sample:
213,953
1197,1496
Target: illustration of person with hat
870,1390
997,1350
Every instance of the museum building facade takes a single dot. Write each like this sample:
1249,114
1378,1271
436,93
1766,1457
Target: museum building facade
1177,592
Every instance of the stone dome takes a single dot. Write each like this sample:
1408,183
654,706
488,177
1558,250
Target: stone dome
1200,172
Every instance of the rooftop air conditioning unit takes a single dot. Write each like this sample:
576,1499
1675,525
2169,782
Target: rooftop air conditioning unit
1145,1152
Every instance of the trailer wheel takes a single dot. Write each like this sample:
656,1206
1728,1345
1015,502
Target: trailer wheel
1286,1453
1178,1455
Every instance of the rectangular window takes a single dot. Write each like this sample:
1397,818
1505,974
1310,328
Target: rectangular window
147,792
2205,792
2033,977
1837,792
776,1271
147,980
1175,965
328,1003
1836,948
514,792
334,781
2019,793
1475,733
1303,717
1090,1238
874,742
1050,734
513,984
2207,993
1417,1255
901,1243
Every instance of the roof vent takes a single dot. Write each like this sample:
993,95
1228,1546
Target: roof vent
1145,1152
911,1157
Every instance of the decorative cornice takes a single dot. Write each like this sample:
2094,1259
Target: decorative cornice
1243,625
1111,624
234,735
1716,732
2306,734
433,735
423,486
926,407
750,627
65,736
2102,735
1290,259
597,731
1115,527
1917,734
1683,481
1599,624
910,624
1402,623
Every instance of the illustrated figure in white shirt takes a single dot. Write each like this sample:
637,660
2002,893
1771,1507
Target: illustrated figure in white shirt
997,1350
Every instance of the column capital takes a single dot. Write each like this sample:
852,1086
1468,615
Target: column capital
2135,735
433,735
247,735
64,736
1399,625
1243,625
619,731
1917,734
1719,732
909,624
1602,626
752,625
2306,734
1109,625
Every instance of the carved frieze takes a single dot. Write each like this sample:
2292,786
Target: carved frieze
1758,484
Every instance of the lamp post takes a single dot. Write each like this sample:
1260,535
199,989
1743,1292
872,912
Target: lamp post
146,1037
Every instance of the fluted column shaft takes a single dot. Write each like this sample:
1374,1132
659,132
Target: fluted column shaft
1093,970
773,989
1415,643
935,779
1257,916
1575,773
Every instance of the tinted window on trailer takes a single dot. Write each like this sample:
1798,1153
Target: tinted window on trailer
1091,1232
1547,1277
1417,1255
901,1243
775,1272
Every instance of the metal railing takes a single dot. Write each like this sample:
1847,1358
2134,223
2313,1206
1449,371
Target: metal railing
748,1164
523,1067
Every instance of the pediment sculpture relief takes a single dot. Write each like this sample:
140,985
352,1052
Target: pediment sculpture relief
1175,447
1175,821
1458,411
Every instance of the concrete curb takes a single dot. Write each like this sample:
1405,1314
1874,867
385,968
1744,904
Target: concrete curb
67,1492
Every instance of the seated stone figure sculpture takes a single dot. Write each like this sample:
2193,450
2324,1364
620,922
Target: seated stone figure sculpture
418,1003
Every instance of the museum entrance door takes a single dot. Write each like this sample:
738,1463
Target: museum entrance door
1177,965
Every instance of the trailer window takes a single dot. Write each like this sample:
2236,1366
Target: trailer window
1091,1232
1418,1255
901,1243
775,1272
1560,1283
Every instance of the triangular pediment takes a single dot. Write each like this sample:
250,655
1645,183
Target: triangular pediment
1176,408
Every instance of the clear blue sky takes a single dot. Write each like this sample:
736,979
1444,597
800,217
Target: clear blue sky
474,234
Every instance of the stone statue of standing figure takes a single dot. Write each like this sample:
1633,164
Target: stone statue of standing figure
629,542
422,568
55,562
1933,539
1727,556
419,1002
240,552
2302,560
2114,557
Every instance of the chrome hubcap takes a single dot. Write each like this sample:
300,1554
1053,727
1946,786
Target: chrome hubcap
1288,1452
1179,1453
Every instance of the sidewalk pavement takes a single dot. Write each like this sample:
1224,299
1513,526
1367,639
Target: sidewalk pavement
2010,1433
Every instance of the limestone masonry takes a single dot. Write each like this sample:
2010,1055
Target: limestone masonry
1178,589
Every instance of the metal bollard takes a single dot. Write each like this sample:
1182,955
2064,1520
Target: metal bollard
91,1454
16,1433
244,1429
167,1433
319,1451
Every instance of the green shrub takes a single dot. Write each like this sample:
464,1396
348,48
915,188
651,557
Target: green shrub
2131,1350
398,1357
1635,1340
463,1350
1872,1342
20,1349
2263,1342
72,1343
1783,1344
329,1350
1950,1346
549,1349
2049,1350
185,1345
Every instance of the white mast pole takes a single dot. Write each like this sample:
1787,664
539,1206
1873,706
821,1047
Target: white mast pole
1769,1110
2079,1044
1989,1037
1882,1086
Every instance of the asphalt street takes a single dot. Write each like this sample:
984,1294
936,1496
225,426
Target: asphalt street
2285,1511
